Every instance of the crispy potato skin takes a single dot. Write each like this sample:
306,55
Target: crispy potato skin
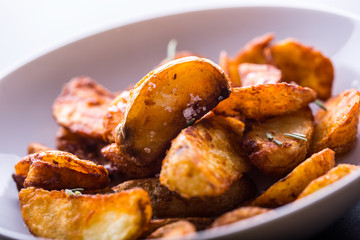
238,215
56,215
173,230
164,102
128,168
266,100
337,127
114,115
168,204
206,158
81,106
254,74
304,65
60,170
253,52
268,157
288,188
331,176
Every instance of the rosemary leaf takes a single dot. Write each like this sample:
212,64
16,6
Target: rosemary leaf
300,135
191,122
269,136
295,136
75,191
277,142
320,104
171,49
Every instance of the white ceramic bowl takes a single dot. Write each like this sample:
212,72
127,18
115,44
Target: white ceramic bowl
123,55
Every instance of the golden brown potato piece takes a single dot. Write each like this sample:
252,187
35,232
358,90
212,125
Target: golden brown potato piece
206,158
253,52
267,100
114,115
166,101
57,215
128,168
173,230
81,106
35,147
60,170
237,215
288,188
269,157
331,176
200,223
304,65
337,127
167,204
255,74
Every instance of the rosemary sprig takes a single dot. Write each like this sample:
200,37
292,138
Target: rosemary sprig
171,49
300,135
191,122
271,138
320,104
75,191
296,136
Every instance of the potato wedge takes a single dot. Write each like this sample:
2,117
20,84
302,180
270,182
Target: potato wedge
166,101
59,170
254,74
267,100
114,115
56,215
288,188
252,52
128,168
337,127
168,204
270,158
304,65
81,106
173,230
330,177
238,215
206,158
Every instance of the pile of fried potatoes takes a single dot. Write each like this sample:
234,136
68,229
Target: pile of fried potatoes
178,152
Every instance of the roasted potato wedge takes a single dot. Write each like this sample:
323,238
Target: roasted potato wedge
114,115
273,159
337,127
35,147
56,215
288,188
128,168
330,177
304,65
59,170
168,204
254,74
238,215
206,158
253,52
81,106
266,100
173,230
166,101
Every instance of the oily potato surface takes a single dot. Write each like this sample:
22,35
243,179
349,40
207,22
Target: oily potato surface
304,65
60,170
57,215
337,127
266,100
288,188
253,74
166,101
270,158
206,158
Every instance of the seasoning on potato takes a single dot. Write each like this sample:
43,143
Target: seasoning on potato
254,74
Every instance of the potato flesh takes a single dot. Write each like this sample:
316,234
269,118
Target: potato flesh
168,204
332,176
304,65
254,74
288,188
337,127
266,155
81,106
206,158
60,170
164,102
266,100
56,215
